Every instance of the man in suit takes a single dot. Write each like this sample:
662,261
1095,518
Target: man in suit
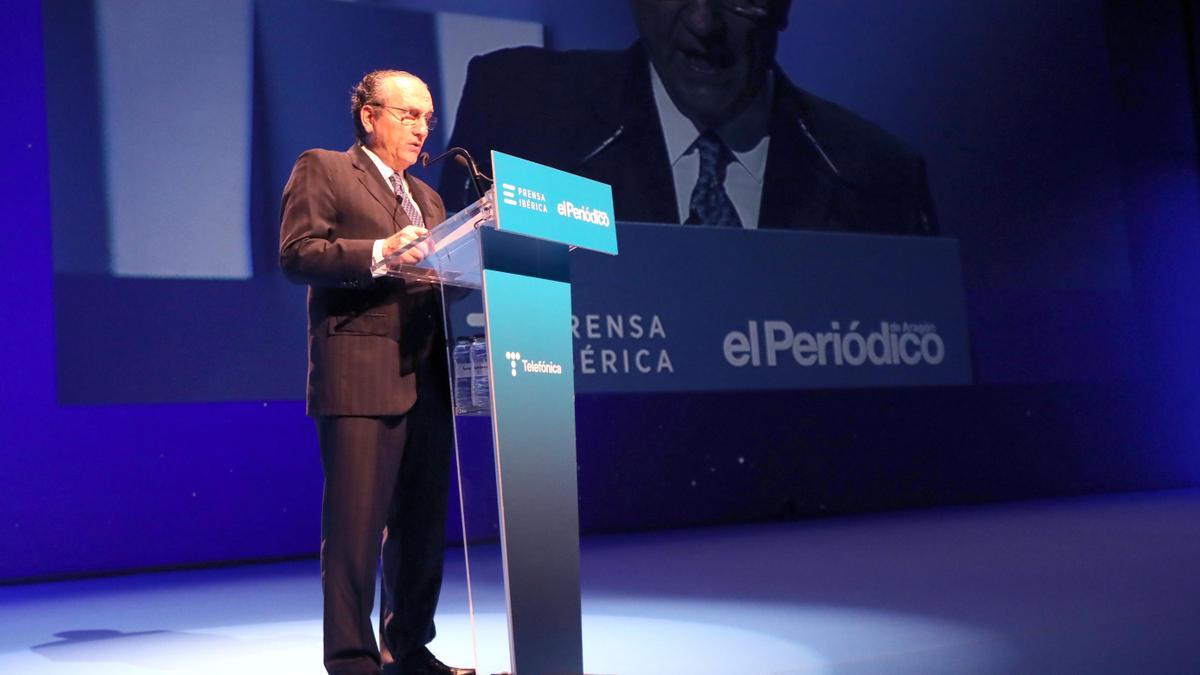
695,123
377,382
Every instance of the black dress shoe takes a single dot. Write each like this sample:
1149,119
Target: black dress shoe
423,662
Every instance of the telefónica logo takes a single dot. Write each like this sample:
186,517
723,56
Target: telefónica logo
539,367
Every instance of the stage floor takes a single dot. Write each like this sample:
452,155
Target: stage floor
1096,585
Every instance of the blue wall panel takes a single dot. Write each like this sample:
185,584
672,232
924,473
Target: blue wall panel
91,487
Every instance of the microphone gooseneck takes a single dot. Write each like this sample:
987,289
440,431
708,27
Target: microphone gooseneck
600,148
478,180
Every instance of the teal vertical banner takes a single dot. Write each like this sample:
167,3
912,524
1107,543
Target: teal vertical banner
533,419
552,205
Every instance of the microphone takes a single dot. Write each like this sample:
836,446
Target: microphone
600,148
818,147
478,180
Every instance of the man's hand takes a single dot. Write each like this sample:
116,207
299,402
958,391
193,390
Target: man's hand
404,238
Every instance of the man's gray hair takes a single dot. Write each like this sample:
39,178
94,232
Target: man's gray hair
367,91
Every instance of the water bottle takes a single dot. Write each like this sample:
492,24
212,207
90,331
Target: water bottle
479,377
463,374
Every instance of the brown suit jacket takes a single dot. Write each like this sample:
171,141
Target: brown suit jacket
367,338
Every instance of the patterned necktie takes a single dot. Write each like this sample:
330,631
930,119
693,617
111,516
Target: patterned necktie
710,204
406,200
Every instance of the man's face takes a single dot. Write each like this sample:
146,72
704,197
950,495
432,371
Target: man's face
398,144
712,58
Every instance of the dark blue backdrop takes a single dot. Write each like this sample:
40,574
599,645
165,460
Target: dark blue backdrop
1068,404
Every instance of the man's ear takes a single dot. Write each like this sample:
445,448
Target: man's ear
367,117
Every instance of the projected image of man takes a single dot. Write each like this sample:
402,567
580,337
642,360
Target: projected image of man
695,123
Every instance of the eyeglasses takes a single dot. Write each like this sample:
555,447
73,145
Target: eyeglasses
408,117
754,10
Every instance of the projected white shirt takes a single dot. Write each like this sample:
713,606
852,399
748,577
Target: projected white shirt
747,135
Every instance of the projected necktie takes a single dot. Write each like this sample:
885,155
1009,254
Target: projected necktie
406,201
710,204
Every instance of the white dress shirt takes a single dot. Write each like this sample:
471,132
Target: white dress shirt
386,171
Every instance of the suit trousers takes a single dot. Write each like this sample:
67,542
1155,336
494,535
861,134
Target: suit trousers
386,484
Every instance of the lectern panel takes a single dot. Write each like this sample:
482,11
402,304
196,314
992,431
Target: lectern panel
533,422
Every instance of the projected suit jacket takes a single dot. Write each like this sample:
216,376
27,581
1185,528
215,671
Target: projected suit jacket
593,113
367,337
